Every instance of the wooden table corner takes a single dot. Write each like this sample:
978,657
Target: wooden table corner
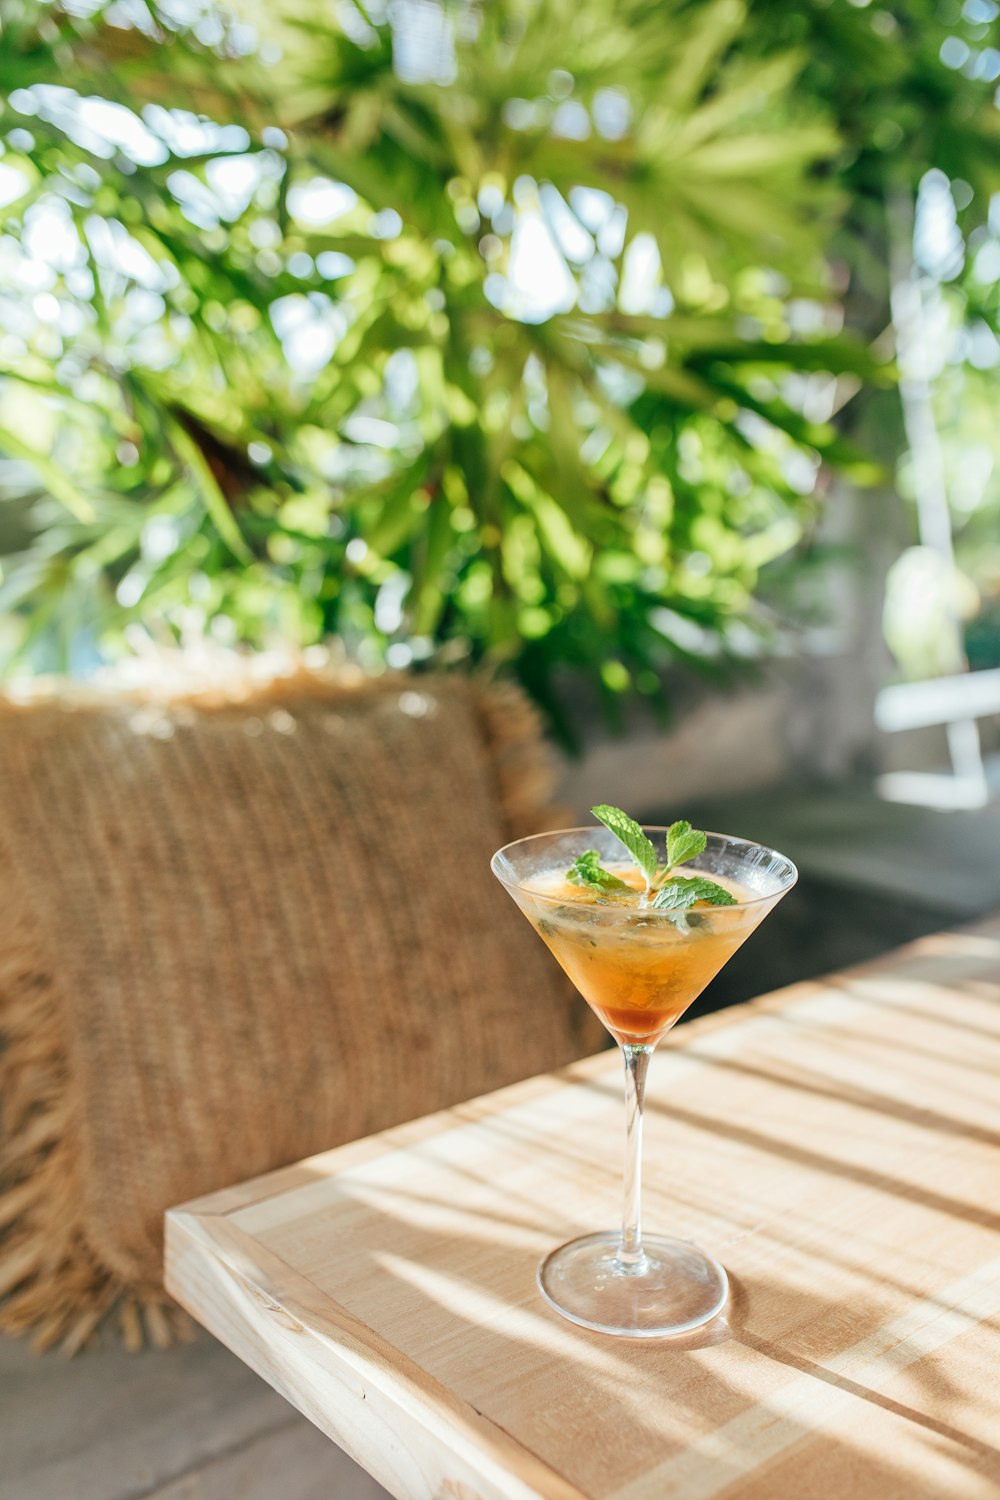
837,1145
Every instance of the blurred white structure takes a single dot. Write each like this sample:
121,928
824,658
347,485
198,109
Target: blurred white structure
930,239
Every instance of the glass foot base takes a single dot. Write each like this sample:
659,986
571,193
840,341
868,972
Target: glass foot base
676,1288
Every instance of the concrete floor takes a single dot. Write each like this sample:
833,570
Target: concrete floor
189,1423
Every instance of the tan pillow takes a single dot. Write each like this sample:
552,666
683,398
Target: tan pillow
236,933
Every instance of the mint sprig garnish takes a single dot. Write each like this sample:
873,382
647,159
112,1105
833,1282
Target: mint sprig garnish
670,892
684,843
586,870
631,835
682,891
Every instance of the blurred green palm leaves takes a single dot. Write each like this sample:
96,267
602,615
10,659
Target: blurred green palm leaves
450,330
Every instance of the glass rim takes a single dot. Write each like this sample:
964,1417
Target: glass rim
589,828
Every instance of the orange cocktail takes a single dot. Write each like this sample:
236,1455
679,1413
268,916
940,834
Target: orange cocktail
640,941
637,968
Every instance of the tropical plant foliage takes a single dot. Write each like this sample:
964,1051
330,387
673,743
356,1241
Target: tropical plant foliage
501,331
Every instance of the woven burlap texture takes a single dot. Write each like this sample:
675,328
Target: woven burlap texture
235,933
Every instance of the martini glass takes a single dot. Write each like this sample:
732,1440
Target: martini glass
639,970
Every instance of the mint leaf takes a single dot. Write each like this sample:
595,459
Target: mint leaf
627,829
586,870
684,843
683,891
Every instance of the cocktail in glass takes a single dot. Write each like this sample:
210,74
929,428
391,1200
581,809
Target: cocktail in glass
639,969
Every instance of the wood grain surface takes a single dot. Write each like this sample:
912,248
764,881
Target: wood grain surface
837,1145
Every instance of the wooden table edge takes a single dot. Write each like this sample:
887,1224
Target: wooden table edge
389,1382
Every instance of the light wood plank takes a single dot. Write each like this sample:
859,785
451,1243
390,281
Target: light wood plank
415,1437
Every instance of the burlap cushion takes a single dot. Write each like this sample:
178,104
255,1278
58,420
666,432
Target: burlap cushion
236,933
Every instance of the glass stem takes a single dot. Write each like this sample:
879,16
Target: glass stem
630,1252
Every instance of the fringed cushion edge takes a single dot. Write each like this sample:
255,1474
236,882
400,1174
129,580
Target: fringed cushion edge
53,1288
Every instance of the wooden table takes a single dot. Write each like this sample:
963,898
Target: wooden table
837,1145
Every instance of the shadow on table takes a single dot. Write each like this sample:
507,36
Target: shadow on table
827,1364
699,1408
